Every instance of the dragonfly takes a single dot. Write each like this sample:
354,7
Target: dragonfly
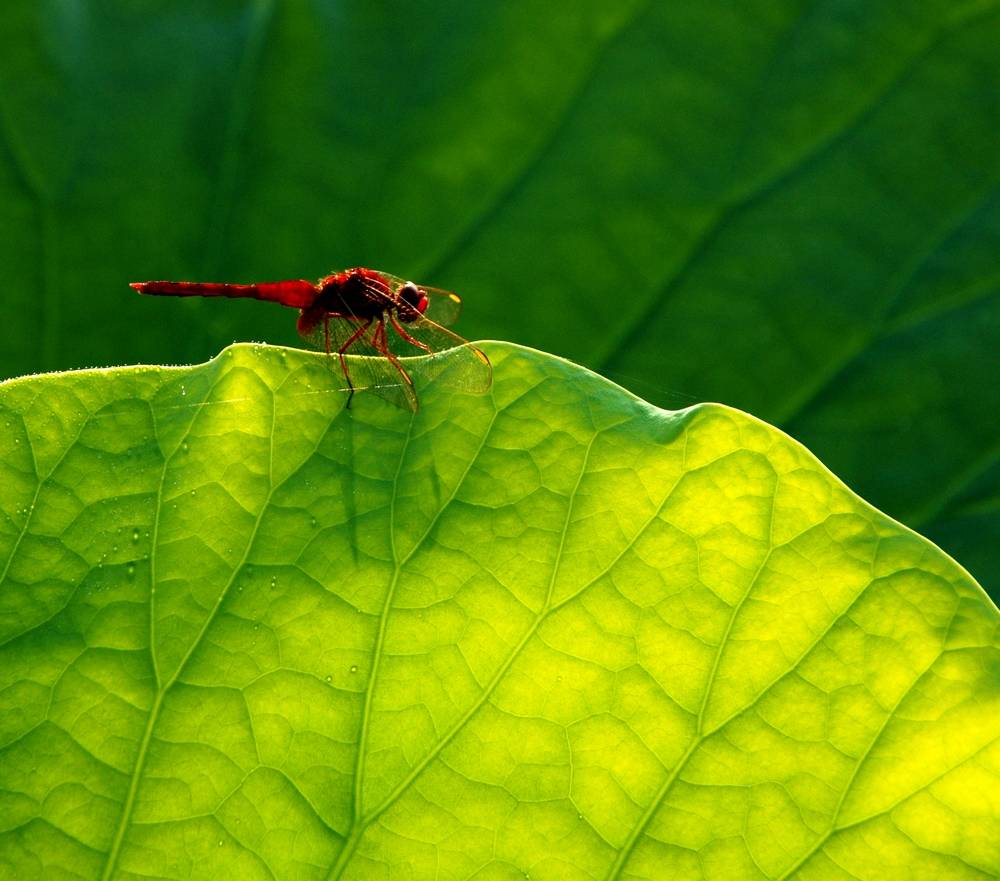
370,313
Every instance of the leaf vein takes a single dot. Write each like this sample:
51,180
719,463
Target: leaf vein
477,223
635,325
639,829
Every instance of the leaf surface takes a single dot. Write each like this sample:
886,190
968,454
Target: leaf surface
549,632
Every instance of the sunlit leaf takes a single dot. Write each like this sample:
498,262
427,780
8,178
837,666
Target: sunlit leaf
550,632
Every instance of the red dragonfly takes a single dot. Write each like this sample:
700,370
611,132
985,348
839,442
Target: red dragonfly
365,312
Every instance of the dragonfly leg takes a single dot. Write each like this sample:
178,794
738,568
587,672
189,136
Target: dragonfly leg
340,352
383,347
399,329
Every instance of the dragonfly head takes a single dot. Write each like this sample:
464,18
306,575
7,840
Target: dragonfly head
413,297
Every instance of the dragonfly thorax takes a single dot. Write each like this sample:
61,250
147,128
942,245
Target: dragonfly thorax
364,294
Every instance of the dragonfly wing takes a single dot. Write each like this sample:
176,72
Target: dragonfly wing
453,361
443,307
365,366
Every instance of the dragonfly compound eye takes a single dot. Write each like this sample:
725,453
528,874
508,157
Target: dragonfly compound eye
410,294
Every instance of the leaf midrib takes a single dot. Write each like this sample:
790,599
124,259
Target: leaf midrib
366,712
519,179
360,822
626,851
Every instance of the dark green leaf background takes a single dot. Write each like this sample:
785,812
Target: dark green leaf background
789,207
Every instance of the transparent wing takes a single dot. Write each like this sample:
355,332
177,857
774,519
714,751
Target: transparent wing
443,307
364,367
452,360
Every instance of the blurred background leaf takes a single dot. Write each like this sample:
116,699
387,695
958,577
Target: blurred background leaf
789,207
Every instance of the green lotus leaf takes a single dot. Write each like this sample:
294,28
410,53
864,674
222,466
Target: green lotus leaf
551,632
